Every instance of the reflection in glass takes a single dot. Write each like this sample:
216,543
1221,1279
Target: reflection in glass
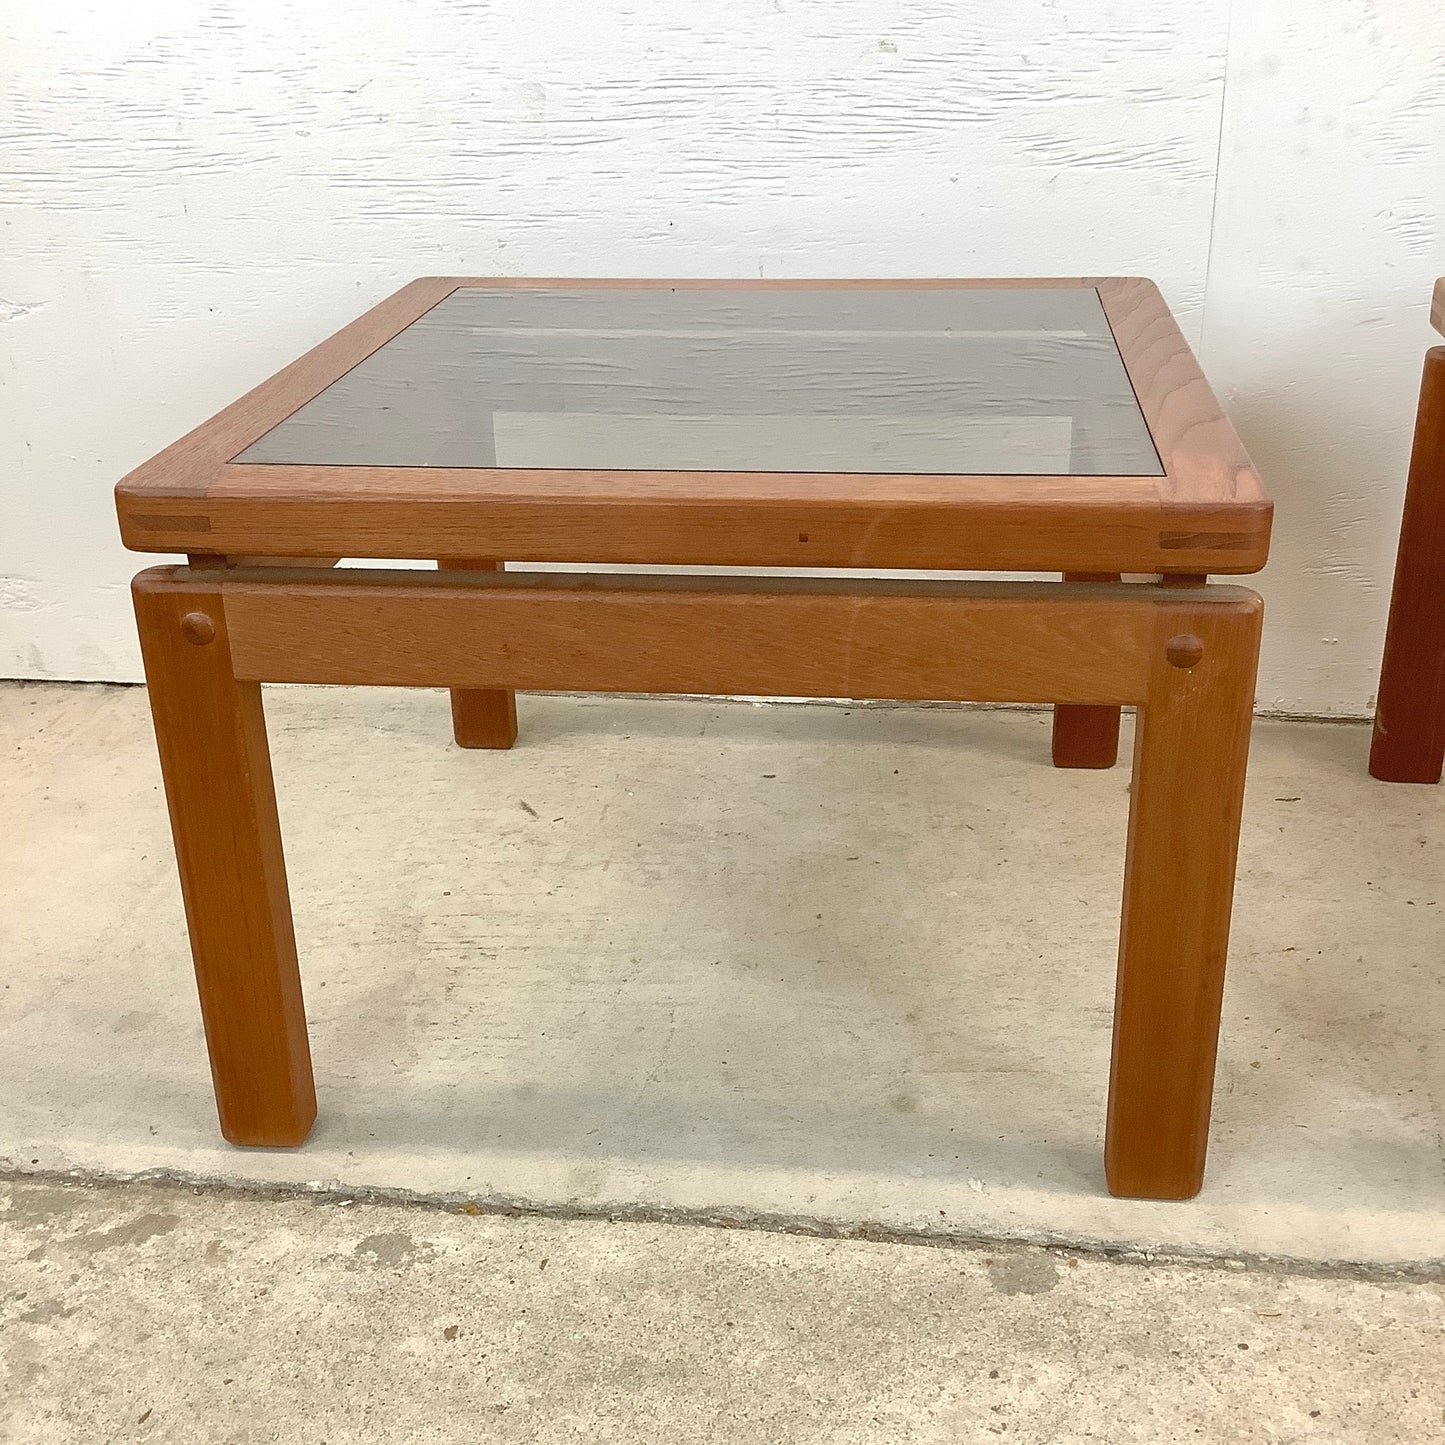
1005,380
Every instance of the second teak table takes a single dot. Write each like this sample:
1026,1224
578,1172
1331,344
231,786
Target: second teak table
1056,426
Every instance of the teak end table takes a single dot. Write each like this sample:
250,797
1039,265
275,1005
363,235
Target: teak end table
1056,426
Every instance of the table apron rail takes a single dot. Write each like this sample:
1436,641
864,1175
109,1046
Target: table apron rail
780,637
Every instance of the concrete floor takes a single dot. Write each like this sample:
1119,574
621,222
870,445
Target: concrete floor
154,1312
840,967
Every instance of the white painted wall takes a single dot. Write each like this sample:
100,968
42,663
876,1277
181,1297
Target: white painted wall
194,193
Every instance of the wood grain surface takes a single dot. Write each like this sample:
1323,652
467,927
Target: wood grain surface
1409,738
481,717
752,636
994,641
1204,461
1185,656
1207,515
189,467
1190,751
211,733
1086,737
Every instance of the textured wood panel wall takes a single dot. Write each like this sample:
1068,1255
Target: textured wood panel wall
195,192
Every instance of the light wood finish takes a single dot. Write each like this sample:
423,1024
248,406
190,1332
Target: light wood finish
211,734
1186,657
186,469
781,637
1191,747
1207,515
1086,737
1409,739
1206,467
1437,307
717,519
481,717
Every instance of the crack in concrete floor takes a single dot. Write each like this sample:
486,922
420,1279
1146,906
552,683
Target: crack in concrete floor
212,1316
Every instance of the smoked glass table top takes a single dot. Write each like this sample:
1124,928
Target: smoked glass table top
1001,381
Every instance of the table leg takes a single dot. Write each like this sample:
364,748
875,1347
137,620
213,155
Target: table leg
211,733
1086,737
1191,746
1186,659
481,717
1409,741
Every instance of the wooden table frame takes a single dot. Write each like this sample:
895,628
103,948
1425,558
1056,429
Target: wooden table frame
1185,657
1206,515
258,605
1409,739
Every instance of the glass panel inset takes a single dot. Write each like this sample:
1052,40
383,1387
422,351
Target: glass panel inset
994,381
